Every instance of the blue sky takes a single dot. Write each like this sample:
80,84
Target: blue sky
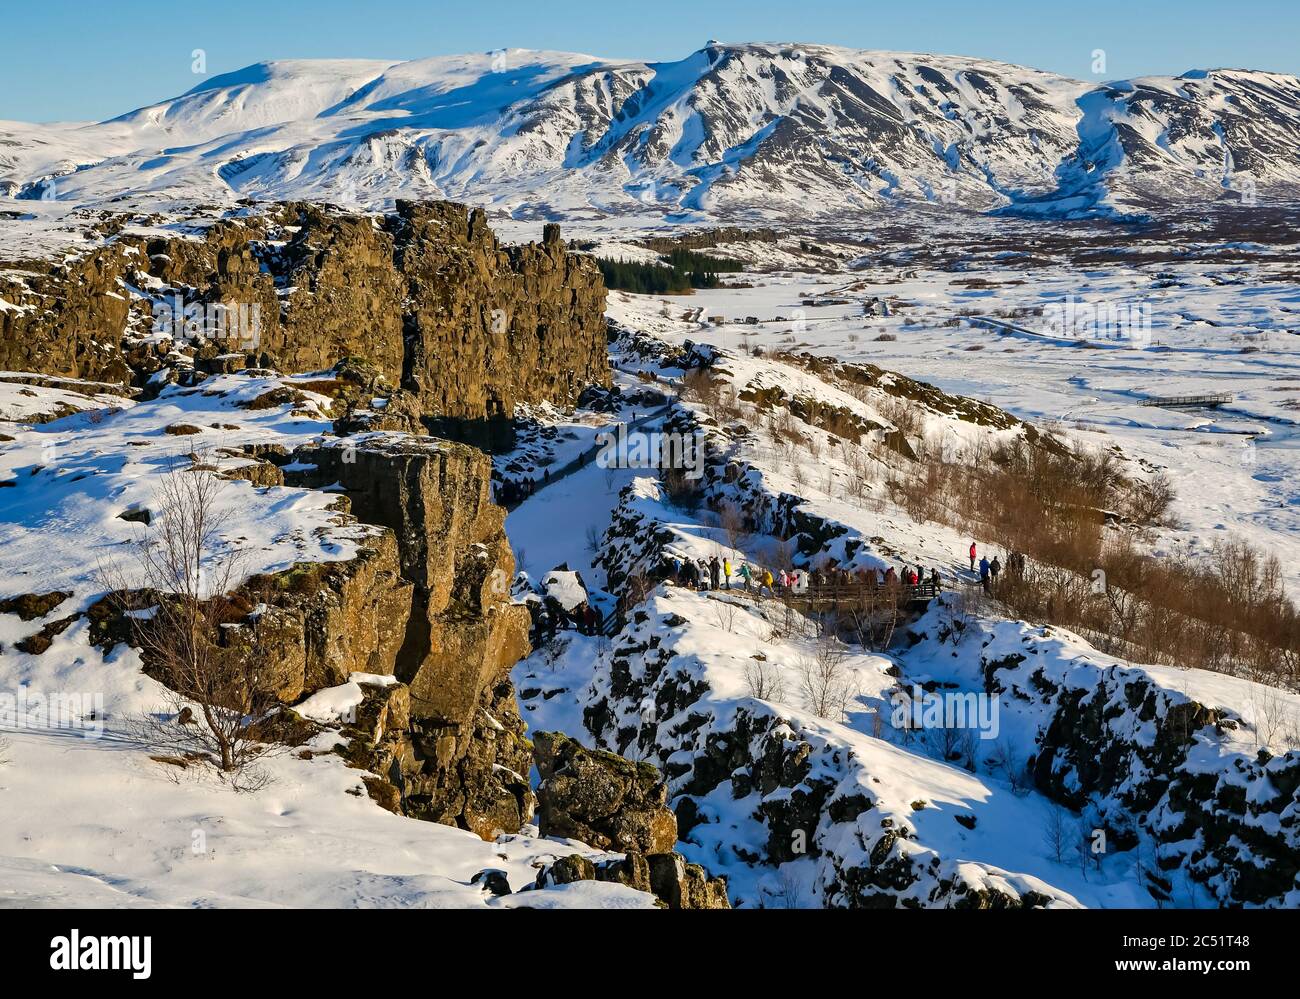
65,60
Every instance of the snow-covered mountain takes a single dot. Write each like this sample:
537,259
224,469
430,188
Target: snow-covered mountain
747,129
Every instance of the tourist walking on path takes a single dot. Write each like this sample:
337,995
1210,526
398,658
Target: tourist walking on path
972,556
984,574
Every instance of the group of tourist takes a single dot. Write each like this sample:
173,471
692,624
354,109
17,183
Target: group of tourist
719,573
990,570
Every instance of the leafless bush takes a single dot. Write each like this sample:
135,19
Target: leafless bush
788,622
731,518
902,413
725,611
951,744
791,895
215,698
681,488
1149,502
764,679
825,680
1005,760
1058,833
1228,612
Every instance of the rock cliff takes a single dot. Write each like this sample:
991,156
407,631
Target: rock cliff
426,297
427,603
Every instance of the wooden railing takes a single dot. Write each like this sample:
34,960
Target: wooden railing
1174,401
866,595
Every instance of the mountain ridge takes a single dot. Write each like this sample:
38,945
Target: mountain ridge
770,130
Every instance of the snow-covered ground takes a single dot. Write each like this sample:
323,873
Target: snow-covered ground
93,821
87,817
1201,333
1213,328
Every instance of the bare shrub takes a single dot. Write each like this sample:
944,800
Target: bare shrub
593,535
731,518
725,612
764,679
902,413
951,744
216,698
825,680
1058,833
681,488
1014,768
1150,502
1055,503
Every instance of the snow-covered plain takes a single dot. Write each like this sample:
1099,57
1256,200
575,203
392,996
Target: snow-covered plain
1214,328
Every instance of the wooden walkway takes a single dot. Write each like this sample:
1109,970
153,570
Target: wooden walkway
860,596
1210,399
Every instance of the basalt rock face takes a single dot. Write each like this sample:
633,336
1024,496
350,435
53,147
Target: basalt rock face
601,798
674,882
616,804
68,317
425,601
426,296
448,632
317,624
489,326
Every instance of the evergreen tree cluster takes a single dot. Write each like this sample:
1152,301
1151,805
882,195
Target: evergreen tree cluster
683,271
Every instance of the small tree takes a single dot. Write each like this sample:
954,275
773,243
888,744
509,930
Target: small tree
1057,833
732,520
1004,758
215,695
825,680
764,679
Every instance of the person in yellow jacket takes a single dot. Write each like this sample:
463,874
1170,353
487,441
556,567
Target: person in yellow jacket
767,581
726,572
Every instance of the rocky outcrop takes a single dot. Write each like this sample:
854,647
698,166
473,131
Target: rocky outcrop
491,326
1130,750
803,796
674,882
601,798
68,318
426,297
426,602
484,790
314,625
615,804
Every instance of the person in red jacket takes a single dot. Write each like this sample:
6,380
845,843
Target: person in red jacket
972,556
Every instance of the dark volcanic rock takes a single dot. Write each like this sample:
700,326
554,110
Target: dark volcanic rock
600,798
426,298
